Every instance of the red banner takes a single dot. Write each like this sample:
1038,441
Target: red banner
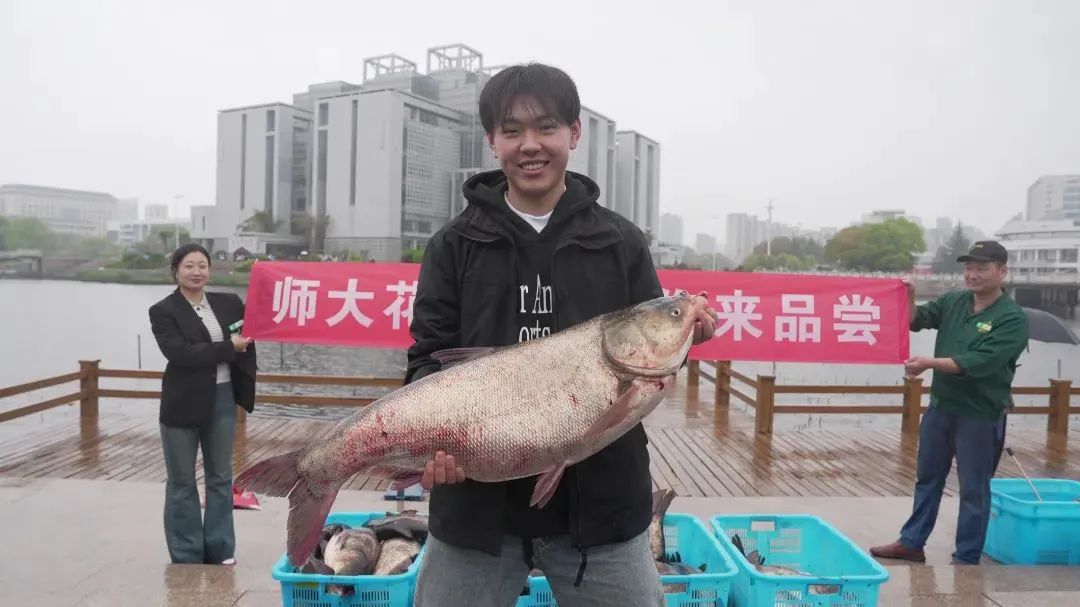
762,317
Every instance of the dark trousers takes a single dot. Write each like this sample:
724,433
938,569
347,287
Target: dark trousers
189,538
976,445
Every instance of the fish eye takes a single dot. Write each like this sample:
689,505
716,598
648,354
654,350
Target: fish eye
676,312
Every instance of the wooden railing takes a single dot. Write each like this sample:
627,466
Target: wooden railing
726,380
90,373
1058,394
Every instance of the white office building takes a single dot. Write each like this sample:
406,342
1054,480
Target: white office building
262,165
1054,197
75,212
595,156
383,161
637,174
381,164
1042,247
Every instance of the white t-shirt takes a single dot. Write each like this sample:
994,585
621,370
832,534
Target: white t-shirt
536,221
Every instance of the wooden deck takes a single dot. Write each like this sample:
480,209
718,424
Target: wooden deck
697,449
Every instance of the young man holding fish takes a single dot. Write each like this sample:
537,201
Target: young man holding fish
534,254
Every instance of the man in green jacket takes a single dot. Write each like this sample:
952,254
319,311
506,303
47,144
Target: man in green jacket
981,334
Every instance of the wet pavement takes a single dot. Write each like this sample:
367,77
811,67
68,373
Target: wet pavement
95,542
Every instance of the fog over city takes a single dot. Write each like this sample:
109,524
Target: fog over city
830,109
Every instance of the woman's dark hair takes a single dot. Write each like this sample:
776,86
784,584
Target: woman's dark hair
185,250
551,87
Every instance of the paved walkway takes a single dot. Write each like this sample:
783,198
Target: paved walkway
99,543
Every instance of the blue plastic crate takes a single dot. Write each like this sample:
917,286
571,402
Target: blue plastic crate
309,589
695,545
843,574
1026,531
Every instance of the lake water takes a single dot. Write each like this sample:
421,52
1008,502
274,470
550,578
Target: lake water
50,325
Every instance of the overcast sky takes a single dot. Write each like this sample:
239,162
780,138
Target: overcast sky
829,108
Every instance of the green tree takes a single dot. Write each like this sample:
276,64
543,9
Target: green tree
799,246
94,248
415,255
945,260
260,221
889,246
162,238
27,233
783,261
3,228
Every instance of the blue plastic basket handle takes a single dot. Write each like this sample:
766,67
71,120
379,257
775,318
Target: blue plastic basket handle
757,522
822,589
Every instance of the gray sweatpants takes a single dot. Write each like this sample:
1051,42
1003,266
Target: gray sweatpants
615,574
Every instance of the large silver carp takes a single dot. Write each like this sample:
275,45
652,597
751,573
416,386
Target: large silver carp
528,409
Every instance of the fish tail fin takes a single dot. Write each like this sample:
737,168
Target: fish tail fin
309,502
275,476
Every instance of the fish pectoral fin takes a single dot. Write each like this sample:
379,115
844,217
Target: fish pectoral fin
546,486
615,414
455,356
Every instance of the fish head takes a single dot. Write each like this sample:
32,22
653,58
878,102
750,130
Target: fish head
651,339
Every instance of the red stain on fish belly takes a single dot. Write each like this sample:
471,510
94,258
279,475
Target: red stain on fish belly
573,400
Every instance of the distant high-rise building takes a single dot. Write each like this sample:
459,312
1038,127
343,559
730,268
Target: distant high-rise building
1054,197
127,210
637,172
671,229
744,232
75,212
705,244
155,211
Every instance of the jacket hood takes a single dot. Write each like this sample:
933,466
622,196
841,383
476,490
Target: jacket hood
491,218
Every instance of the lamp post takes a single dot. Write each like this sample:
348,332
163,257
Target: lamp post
175,218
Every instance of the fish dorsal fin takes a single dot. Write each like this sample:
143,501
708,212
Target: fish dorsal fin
737,541
455,356
661,501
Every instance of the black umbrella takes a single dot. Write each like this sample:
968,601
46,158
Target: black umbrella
1044,326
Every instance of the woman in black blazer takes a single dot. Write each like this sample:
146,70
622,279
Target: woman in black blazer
210,370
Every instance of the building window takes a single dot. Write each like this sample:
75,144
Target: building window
320,197
650,168
352,154
270,121
243,157
268,178
300,164
324,114
594,147
1067,255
